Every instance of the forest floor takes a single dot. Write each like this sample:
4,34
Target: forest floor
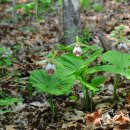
29,42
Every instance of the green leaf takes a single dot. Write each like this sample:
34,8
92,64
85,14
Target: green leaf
93,56
85,4
76,66
8,101
108,68
119,63
54,84
98,7
97,81
92,70
114,70
118,59
84,83
71,63
126,73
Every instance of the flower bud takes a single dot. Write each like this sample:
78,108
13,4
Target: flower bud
50,68
123,47
77,50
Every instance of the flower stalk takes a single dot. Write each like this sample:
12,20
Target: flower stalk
53,112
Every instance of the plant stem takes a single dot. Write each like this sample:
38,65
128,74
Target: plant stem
116,85
91,109
30,89
86,98
52,107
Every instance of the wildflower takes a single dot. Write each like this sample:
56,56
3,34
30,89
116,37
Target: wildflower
123,47
77,50
50,68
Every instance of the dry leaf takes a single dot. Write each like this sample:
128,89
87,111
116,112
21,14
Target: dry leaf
122,127
93,118
121,119
72,126
76,116
10,127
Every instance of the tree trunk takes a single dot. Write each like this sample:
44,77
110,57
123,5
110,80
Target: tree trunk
14,14
71,20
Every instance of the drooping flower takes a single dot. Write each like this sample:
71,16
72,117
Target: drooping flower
77,50
123,47
50,68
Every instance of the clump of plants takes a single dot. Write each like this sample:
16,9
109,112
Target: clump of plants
5,63
58,77
5,57
117,63
78,64
5,60
60,72
87,4
33,8
5,101
117,35
49,80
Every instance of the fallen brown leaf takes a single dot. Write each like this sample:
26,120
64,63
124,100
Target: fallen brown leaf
10,127
122,127
121,119
93,118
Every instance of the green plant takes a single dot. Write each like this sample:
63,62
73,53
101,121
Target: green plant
118,35
98,7
121,0
86,36
79,67
27,28
4,1
7,102
118,63
5,57
5,60
117,30
54,84
85,4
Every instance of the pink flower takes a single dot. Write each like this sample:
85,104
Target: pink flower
50,68
77,50
123,47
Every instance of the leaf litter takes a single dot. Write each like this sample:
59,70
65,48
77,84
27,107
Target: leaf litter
38,39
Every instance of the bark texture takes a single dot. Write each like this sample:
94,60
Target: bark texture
14,14
71,20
